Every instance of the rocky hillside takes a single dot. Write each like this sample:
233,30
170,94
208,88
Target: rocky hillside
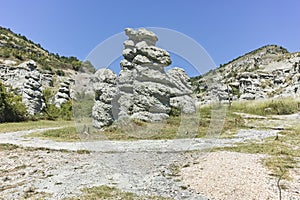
18,48
44,79
41,78
270,71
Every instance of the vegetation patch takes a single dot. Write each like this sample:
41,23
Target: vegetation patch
111,193
137,129
51,112
11,107
65,134
29,125
7,147
280,106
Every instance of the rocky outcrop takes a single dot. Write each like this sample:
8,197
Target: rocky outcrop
104,84
27,80
181,91
64,94
32,95
268,72
143,90
143,85
15,76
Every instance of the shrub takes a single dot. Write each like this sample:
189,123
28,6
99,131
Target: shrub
60,72
87,66
47,67
66,111
175,112
11,107
52,112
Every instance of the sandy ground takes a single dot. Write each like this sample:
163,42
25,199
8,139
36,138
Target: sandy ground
231,175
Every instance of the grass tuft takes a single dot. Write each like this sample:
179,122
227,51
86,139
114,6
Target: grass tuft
21,126
280,106
65,134
111,193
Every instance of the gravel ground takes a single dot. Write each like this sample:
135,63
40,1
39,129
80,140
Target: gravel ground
146,167
62,174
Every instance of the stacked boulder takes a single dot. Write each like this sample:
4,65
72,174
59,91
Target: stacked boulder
181,91
104,84
63,94
32,95
143,90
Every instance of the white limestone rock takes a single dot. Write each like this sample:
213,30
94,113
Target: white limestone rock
143,90
104,84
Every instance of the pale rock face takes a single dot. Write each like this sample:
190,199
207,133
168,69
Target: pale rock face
186,103
181,91
268,72
64,93
142,90
29,82
32,95
104,84
102,115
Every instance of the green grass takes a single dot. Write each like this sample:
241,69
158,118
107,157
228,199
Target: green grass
9,147
211,121
65,134
283,152
5,147
111,193
20,126
171,128
280,106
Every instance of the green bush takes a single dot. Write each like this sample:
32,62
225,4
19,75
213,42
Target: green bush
175,112
60,72
4,53
52,112
66,111
11,107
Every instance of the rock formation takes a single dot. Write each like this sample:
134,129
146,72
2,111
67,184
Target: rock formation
32,95
64,94
105,91
143,90
268,72
27,80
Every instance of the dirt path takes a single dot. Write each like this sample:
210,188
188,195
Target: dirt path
176,145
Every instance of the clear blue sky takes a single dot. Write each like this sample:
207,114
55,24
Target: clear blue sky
225,28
